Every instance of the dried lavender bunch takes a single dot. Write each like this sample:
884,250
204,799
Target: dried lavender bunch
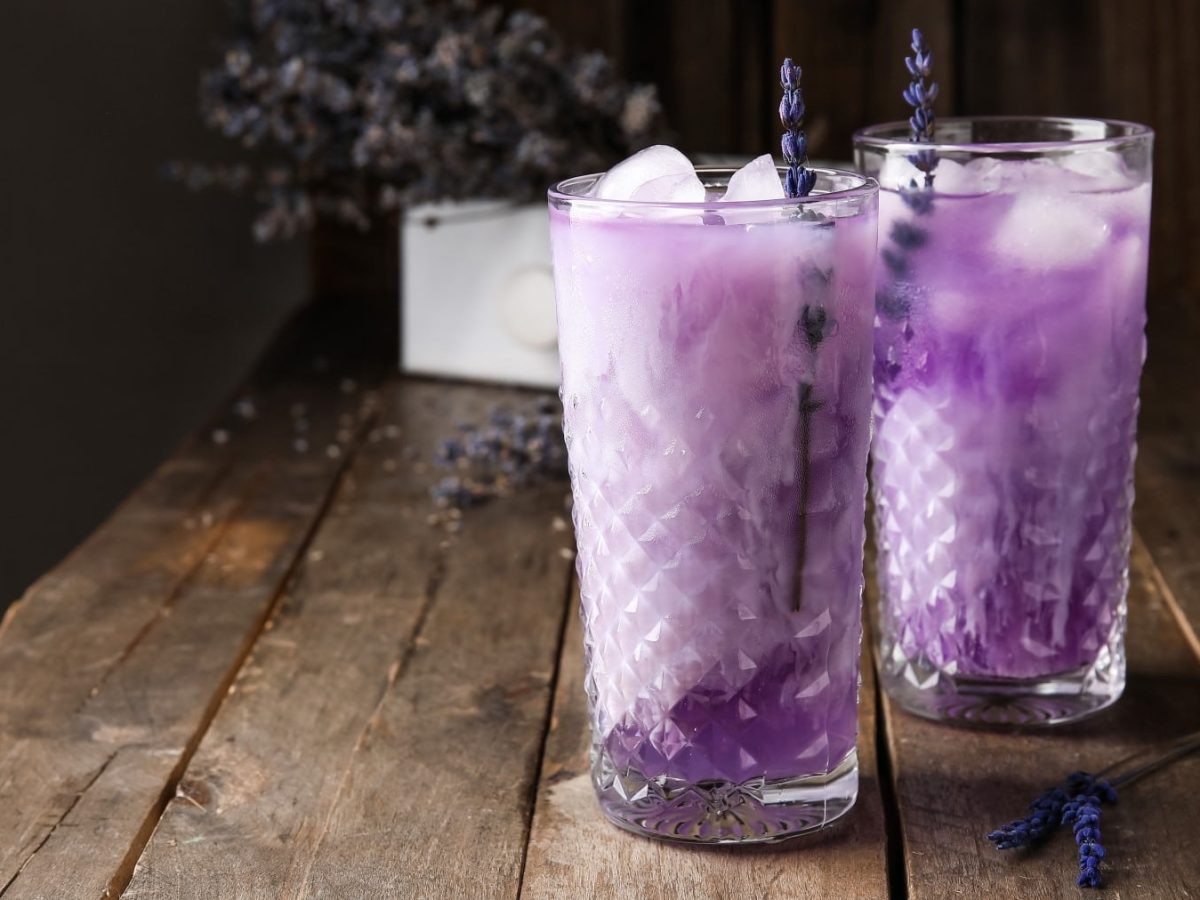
799,181
512,450
361,107
1077,803
1046,813
920,97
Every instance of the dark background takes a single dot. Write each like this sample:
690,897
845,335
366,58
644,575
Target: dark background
133,308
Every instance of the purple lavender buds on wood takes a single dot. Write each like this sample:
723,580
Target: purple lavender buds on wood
1075,803
511,451
799,181
920,97
1045,813
1083,814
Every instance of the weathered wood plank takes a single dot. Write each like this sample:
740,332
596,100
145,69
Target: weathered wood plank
1166,514
1167,517
384,737
954,785
114,662
574,852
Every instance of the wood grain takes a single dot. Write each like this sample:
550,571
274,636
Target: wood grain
384,737
112,665
574,852
1168,472
954,785
1169,469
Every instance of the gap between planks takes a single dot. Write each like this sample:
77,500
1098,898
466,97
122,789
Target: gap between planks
394,674
290,779
570,606
66,812
954,784
1170,600
124,873
180,587
117,587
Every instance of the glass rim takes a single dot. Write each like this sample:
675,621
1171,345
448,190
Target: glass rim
876,136
862,186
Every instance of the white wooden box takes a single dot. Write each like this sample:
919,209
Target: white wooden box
477,293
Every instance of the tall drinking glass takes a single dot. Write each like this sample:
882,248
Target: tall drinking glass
1009,343
716,370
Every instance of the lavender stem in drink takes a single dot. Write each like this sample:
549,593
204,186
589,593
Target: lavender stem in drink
1009,346
716,365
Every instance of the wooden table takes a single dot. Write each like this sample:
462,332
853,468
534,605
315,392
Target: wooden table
269,675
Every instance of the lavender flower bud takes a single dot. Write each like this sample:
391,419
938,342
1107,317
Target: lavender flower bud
798,181
795,146
789,74
918,94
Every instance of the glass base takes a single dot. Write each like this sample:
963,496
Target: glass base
721,812
922,689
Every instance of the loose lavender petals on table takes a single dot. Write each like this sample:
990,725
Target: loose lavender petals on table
799,181
511,451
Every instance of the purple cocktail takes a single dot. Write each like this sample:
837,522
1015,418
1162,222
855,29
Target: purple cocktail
716,370
1008,349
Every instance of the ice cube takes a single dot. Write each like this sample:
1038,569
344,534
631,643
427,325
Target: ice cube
955,311
951,178
1047,229
624,179
1096,170
955,179
898,173
757,180
985,174
1127,267
686,188
1027,174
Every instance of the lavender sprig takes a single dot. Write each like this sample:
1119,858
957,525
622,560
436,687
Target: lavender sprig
814,325
1045,814
1077,803
920,97
892,299
799,181
1083,814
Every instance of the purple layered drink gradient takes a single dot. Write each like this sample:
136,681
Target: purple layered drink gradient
1008,351
716,372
